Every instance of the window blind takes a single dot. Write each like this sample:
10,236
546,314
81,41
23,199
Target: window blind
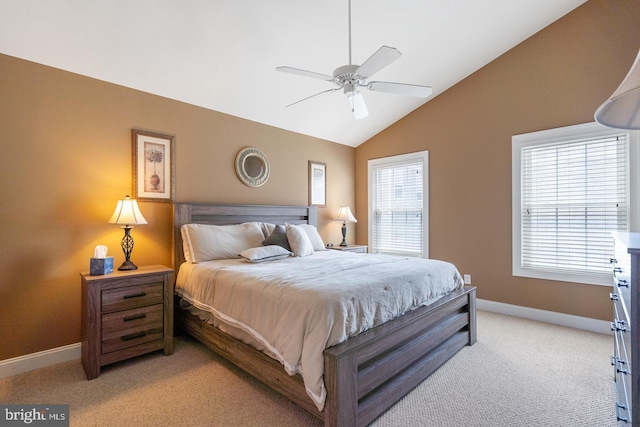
573,195
397,208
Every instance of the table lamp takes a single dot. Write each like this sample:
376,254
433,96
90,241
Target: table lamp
344,215
127,214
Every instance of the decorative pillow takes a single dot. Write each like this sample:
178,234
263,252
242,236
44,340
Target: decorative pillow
203,242
300,243
265,253
278,237
314,237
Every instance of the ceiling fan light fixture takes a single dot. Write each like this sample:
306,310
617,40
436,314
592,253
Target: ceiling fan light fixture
356,102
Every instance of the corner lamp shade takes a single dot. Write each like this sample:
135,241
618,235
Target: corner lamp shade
622,109
344,215
127,214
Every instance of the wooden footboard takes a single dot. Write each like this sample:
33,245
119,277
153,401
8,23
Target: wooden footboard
366,374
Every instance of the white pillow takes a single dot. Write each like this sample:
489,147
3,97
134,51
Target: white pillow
265,253
203,242
186,247
267,228
314,237
298,240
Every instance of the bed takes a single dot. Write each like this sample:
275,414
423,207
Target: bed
364,375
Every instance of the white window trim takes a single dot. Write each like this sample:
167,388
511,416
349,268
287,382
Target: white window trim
556,135
403,158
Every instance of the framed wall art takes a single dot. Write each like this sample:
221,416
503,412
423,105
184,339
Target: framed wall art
153,166
317,183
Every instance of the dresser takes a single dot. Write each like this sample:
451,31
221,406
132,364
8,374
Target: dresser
626,356
125,314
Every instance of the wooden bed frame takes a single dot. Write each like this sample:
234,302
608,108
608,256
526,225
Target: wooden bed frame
365,375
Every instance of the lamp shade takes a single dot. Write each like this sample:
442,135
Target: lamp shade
356,102
344,214
622,109
127,213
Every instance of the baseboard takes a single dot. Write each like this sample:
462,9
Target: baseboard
32,361
41,359
578,322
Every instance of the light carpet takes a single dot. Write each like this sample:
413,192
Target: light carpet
519,373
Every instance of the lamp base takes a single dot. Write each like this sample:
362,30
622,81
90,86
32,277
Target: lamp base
344,234
127,265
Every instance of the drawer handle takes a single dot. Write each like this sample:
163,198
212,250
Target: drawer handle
133,336
619,325
622,283
615,360
613,260
618,416
134,317
617,270
613,297
138,295
620,365
621,370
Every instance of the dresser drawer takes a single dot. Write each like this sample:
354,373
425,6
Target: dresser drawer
622,289
125,298
127,319
622,277
623,394
125,338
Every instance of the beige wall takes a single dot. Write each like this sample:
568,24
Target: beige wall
556,78
66,159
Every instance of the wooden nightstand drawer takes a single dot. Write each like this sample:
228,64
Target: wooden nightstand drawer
131,337
132,296
128,319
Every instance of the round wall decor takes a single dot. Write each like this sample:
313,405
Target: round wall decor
252,167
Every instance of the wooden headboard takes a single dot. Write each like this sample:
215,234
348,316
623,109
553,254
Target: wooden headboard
200,213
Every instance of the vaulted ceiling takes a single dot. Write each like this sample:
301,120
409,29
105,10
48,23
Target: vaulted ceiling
222,54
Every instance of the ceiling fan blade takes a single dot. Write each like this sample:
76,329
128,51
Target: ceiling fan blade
309,97
376,62
401,89
358,107
305,73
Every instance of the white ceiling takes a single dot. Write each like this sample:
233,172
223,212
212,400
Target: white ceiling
222,54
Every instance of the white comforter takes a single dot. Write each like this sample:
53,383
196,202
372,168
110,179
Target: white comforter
297,307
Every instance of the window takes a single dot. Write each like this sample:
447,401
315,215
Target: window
398,205
570,191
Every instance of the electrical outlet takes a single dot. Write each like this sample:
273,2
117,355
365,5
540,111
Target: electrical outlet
467,279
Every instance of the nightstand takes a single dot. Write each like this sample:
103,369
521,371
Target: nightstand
362,249
126,314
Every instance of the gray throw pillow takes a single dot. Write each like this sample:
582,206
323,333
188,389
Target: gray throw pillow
278,237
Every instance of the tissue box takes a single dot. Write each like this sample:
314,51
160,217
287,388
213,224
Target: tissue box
100,266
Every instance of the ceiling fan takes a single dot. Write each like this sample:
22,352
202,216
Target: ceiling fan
350,78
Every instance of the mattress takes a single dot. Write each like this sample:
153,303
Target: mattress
294,308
